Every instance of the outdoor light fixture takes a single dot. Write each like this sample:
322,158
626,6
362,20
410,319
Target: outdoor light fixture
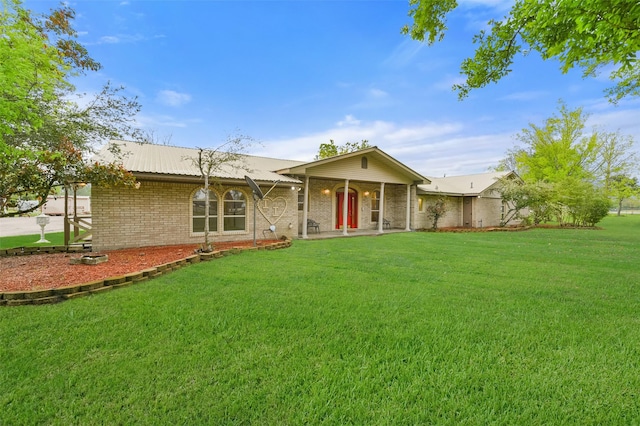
366,193
325,192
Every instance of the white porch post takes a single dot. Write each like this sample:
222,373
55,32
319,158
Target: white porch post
381,211
345,207
305,207
408,227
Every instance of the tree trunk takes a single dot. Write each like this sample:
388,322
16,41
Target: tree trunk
207,246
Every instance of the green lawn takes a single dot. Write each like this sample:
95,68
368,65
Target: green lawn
54,238
514,328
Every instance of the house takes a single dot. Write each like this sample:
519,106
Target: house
366,189
473,201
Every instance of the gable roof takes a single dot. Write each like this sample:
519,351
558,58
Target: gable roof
157,161
374,153
467,185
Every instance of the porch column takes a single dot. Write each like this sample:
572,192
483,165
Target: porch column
381,211
408,227
305,207
345,207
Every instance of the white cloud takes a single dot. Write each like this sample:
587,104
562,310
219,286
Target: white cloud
125,38
373,98
377,93
172,98
109,40
154,122
349,120
430,148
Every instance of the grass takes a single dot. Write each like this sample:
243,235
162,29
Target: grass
54,238
537,327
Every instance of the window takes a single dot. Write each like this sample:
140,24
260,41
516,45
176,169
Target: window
234,210
375,206
300,201
198,211
364,163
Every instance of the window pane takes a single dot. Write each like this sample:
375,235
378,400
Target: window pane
198,224
234,223
198,211
234,208
375,206
234,211
198,208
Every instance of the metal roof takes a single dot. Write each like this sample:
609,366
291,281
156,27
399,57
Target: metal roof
151,159
463,185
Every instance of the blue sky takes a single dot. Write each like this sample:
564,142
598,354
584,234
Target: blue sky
294,74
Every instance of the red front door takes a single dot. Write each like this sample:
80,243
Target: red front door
352,209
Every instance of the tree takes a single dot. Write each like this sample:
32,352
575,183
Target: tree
533,198
575,167
46,136
588,34
38,54
436,210
622,188
562,149
616,156
330,149
210,162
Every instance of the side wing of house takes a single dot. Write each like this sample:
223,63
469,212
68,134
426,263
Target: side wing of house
169,206
473,201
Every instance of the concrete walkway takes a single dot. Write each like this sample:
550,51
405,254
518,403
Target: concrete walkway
352,233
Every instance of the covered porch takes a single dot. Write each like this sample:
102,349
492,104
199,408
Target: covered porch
366,191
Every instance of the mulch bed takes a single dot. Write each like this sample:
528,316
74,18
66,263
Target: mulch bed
49,271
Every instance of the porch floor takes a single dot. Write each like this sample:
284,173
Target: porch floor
337,233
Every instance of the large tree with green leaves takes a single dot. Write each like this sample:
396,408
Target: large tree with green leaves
622,188
562,147
576,167
589,34
46,132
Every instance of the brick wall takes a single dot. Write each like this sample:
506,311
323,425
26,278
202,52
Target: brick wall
159,213
451,218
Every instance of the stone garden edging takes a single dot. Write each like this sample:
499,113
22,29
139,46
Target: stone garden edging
60,294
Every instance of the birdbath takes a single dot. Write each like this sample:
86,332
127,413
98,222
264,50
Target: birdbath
42,220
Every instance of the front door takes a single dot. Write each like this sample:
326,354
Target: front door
352,209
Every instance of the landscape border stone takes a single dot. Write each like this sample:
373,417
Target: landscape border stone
60,294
